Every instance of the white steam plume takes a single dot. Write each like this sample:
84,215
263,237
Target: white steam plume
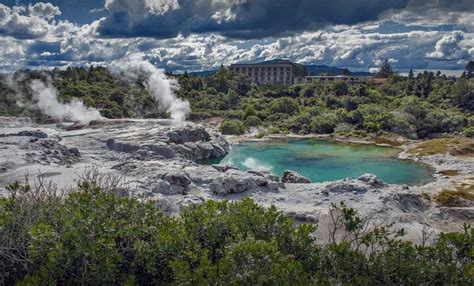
162,88
46,97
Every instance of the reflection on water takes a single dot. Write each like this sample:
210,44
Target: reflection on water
322,160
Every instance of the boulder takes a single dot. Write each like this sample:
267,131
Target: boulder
33,133
266,174
294,177
54,152
202,175
407,202
235,183
188,133
75,151
178,179
126,147
175,183
371,180
223,168
163,150
346,186
76,126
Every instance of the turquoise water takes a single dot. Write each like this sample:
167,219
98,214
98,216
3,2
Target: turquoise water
322,160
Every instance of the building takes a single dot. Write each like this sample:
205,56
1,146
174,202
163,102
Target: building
285,72
344,78
272,72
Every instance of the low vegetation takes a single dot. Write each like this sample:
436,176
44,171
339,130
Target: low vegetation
231,127
423,106
99,235
461,195
449,173
457,146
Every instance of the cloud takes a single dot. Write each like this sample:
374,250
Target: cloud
251,19
43,10
452,5
448,48
234,18
189,35
30,23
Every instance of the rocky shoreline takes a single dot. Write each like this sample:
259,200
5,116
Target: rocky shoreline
160,160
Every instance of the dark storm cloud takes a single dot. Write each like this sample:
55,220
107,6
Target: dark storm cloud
240,19
251,18
452,5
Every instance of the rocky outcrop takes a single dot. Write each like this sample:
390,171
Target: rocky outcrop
188,133
362,184
191,142
372,180
170,183
235,182
156,158
407,202
33,133
115,145
223,168
294,177
76,126
53,152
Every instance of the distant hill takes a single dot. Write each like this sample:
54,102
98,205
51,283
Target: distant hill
312,70
203,73
324,69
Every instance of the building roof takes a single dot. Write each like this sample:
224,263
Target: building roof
265,63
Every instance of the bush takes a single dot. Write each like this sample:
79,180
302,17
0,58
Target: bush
286,105
97,234
253,121
249,111
469,132
231,127
323,124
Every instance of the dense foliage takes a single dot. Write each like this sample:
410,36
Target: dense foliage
95,236
414,106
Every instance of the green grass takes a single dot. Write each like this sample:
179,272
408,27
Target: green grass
454,197
458,146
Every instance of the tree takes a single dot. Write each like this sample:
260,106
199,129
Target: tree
411,75
470,69
231,127
286,105
385,70
346,72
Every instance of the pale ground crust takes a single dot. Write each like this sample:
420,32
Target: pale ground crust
409,207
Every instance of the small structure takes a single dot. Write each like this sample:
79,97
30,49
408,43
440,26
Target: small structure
345,78
272,72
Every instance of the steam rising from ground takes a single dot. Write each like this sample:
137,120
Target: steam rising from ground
46,97
162,88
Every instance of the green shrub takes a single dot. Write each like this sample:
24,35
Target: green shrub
231,127
323,124
469,132
253,121
249,111
96,235
286,105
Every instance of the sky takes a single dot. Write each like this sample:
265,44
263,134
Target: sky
194,35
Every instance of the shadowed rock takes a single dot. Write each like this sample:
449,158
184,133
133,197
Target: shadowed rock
294,177
33,133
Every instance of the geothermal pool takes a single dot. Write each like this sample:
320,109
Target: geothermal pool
322,160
